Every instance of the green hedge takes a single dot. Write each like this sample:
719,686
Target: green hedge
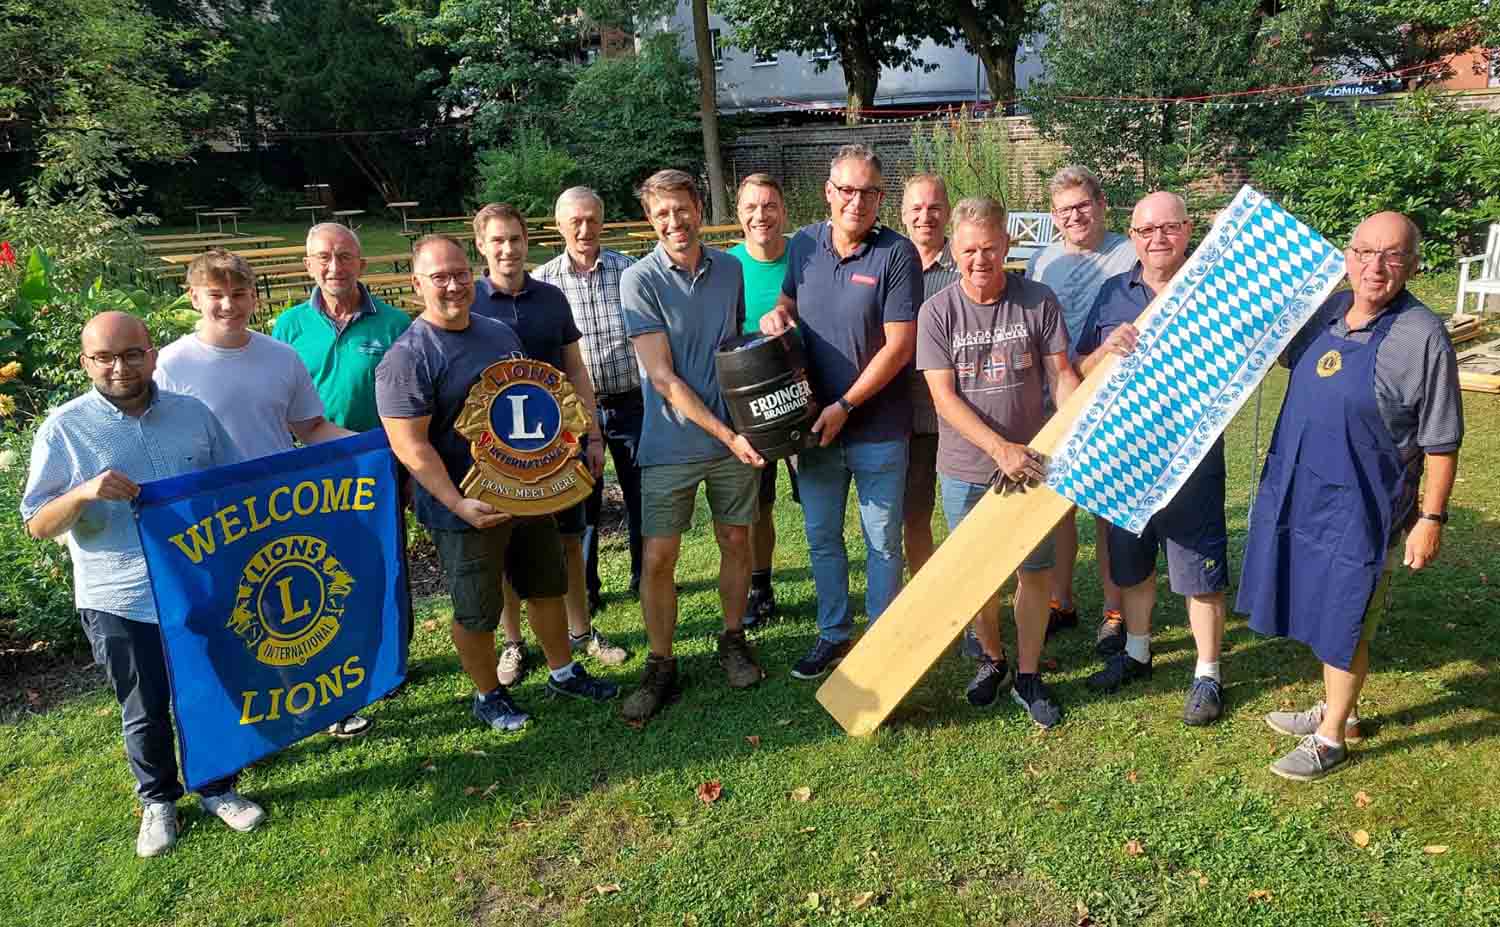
36,577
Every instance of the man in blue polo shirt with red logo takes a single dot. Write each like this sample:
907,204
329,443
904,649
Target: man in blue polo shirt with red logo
853,287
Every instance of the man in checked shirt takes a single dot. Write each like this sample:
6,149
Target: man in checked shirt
590,277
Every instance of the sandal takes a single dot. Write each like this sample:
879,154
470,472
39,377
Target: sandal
352,726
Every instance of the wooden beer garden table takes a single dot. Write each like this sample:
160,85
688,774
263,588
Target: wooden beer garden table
183,237
256,253
206,244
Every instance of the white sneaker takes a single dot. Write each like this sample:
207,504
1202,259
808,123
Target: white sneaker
158,829
239,813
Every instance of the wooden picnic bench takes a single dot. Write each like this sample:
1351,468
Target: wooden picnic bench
251,254
182,236
208,244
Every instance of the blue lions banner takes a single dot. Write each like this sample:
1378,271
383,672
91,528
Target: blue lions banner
1258,276
281,588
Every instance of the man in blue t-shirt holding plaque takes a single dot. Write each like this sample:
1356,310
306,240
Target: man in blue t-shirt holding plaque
853,287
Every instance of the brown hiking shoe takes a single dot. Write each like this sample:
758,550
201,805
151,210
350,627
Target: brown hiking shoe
738,661
658,689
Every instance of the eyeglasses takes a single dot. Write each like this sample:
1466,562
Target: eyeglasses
1390,258
441,280
343,257
1169,229
850,193
1081,208
133,357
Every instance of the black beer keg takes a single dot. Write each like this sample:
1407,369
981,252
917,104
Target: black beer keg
764,381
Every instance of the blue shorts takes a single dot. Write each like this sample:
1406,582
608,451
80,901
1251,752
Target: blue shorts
1192,530
960,496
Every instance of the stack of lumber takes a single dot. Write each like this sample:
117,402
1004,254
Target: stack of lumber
1479,368
1463,327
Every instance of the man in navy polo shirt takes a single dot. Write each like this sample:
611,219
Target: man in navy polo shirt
853,286
1191,527
540,315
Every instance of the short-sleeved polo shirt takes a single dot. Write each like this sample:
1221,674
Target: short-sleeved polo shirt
538,312
843,305
698,311
84,437
342,362
1416,371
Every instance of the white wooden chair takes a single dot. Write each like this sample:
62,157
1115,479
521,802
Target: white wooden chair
1483,282
1030,232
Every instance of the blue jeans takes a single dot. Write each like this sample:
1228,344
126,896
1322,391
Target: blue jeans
131,654
620,419
878,469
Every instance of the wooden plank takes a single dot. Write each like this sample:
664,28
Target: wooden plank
1479,368
252,255
940,600
183,236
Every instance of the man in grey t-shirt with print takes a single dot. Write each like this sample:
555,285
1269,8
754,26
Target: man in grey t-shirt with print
681,302
990,346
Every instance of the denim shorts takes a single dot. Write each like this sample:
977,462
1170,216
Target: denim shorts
960,496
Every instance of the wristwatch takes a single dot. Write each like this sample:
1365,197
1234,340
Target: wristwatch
845,404
1441,517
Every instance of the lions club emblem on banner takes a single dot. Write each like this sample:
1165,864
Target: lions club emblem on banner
291,597
524,423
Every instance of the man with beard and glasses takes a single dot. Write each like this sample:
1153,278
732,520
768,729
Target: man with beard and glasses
87,462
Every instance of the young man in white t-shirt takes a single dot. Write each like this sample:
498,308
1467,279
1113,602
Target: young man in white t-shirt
256,386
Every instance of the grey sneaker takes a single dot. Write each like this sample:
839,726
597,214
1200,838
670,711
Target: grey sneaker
1302,723
598,646
158,829
1311,760
513,663
239,813
738,660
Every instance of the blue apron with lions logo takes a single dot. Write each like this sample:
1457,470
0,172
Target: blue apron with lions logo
280,585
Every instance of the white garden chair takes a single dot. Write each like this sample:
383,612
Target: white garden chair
1481,282
1030,232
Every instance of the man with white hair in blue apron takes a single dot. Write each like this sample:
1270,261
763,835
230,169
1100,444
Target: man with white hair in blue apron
1373,401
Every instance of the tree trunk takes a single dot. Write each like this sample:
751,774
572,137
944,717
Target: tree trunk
861,72
996,51
708,104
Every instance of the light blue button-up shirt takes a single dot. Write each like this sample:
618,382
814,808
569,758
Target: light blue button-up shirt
88,435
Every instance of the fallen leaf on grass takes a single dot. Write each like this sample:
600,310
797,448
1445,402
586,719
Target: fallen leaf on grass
814,901
783,722
105,712
861,901
1451,626
1134,848
1362,799
1361,838
634,724
430,624
753,740
807,830
471,790
709,792
1203,881
1261,894
802,794
1132,777
1434,849
607,889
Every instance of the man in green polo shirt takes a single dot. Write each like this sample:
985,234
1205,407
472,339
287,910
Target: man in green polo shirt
342,331
762,255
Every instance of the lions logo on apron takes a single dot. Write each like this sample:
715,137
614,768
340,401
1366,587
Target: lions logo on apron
524,423
1330,364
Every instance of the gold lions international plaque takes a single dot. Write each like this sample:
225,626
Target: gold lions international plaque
524,424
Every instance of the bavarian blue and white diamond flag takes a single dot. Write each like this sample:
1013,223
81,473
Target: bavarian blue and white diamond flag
1219,326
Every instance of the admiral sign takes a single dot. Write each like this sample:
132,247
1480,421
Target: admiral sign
280,584
524,423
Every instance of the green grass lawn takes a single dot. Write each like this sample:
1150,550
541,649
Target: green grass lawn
948,815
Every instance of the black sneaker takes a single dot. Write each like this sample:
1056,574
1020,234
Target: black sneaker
659,688
1060,619
993,676
1205,702
1110,638
582,685
823,656
1118,670
760,607
1033,695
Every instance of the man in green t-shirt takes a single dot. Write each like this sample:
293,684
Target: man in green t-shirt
342,331
762,214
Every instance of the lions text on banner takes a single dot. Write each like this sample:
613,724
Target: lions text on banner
281,588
